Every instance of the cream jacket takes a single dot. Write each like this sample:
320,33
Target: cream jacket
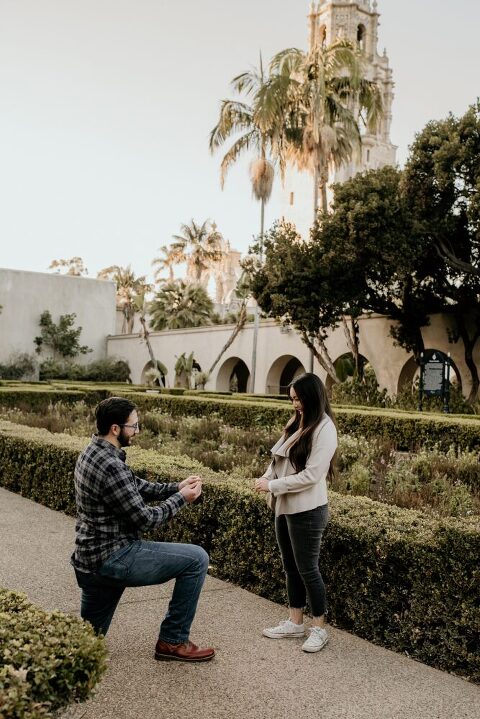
293,491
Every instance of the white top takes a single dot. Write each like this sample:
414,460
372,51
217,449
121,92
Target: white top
293,491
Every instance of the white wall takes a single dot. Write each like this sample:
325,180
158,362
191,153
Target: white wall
25,295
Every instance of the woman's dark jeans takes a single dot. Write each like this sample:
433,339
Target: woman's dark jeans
299,537
141,564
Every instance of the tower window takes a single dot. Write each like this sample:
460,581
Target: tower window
368,155
322,33
292,198
361,36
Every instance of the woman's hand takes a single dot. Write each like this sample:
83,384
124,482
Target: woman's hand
193,479
261,485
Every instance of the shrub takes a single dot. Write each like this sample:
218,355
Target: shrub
19,366
394,576
103,370
354,391
47,659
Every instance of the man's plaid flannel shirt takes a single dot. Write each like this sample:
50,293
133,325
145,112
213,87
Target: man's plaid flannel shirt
111,504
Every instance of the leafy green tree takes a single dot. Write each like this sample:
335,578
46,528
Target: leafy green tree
178,305
62,338
291,286
441,185
371,254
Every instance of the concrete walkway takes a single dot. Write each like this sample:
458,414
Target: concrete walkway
251,676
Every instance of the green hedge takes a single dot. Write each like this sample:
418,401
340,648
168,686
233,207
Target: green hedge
408,430
395,577
39,398
47,659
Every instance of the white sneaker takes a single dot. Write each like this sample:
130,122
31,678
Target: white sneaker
285,630
316,641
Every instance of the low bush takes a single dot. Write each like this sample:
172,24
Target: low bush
394,576
103,370
19,366
47,659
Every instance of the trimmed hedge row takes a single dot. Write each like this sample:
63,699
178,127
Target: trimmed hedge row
47,659
408,430
395,577
37,399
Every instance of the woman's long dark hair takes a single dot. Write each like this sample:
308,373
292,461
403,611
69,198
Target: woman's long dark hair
311,392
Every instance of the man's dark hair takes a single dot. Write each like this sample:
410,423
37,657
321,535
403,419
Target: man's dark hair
113,410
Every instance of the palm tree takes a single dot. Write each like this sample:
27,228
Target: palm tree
170,258
178,305
128,287
325,98
199,245
74,266
159,371
261,128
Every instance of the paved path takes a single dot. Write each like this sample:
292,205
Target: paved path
251,676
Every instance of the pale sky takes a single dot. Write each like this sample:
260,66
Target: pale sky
106,108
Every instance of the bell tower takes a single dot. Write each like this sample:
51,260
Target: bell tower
356,21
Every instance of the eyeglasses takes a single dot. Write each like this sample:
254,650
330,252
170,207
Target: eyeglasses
135,426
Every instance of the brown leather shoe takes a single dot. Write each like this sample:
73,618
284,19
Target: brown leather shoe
186,652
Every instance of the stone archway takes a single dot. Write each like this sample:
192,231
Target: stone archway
145,376
344,366
283,371
233,375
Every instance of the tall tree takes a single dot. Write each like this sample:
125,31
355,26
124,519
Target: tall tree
178,305
199,245
169,257
256,127
290,287
325,99
158,370
128,287
442,190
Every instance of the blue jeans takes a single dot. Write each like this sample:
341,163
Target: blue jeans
141,564
299,537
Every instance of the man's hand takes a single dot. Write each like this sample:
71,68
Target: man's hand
261,485
192,490
193,479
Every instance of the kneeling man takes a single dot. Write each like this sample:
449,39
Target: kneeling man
112,513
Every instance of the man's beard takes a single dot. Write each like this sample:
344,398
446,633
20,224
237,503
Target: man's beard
123,439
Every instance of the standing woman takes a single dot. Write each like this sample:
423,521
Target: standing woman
297,480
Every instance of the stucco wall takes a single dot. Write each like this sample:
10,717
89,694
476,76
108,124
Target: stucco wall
25,295
276,347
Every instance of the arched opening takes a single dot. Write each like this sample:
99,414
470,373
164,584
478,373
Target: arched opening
322,35
361,37
152,378
233,376
345,369
283,371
